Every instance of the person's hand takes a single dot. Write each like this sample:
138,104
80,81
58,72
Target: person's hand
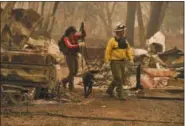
79,54
106,64
81,44
132,62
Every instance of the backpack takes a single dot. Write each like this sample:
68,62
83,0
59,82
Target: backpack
62,46
64,49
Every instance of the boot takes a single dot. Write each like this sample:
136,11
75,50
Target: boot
64,82
110,93
71,86
110,90
120,93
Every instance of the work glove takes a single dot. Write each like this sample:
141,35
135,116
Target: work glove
79,55
131,62
81,44
106,65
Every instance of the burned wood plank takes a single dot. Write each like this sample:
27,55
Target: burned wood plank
25,84
27,58
162,94
6,86
24,66
160,98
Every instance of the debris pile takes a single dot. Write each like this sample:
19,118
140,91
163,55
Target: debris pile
158,66
21,25
104,76
29,56
22,33
174,59
156,74
155,78
156,43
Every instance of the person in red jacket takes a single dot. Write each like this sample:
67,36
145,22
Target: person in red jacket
70,46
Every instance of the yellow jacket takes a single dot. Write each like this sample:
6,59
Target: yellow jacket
112,51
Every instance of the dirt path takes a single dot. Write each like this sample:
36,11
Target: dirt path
102,110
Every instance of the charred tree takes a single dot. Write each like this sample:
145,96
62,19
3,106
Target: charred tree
47,16
34,5
105,12
158,10
130,22
52,18
109,16
40,10
140,25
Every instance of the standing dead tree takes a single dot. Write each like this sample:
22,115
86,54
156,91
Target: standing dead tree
109,11
158,10
49,18
105,11
140,25
130,22
71,13
34,5
52,18
40,10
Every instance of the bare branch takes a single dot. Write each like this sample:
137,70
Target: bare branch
113,8
55,8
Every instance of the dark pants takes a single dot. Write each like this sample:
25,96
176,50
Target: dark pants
118,73
72,63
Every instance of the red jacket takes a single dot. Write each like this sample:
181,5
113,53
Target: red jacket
73,44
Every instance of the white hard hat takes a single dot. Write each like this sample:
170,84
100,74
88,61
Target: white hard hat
120,27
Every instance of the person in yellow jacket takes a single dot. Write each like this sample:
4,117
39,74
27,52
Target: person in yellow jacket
118,52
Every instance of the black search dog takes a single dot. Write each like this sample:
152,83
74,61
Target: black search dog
88,81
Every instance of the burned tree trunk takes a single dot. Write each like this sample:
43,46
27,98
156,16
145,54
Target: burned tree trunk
141,25
109,13
34,5
163,10
52,19
47,17
157,14
40,10
105,14
130,22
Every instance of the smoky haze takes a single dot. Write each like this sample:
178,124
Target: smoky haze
101,18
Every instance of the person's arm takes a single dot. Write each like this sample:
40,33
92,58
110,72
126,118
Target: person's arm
108,51
129,52
68,43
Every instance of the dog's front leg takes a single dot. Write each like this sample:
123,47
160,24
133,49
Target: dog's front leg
85,91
